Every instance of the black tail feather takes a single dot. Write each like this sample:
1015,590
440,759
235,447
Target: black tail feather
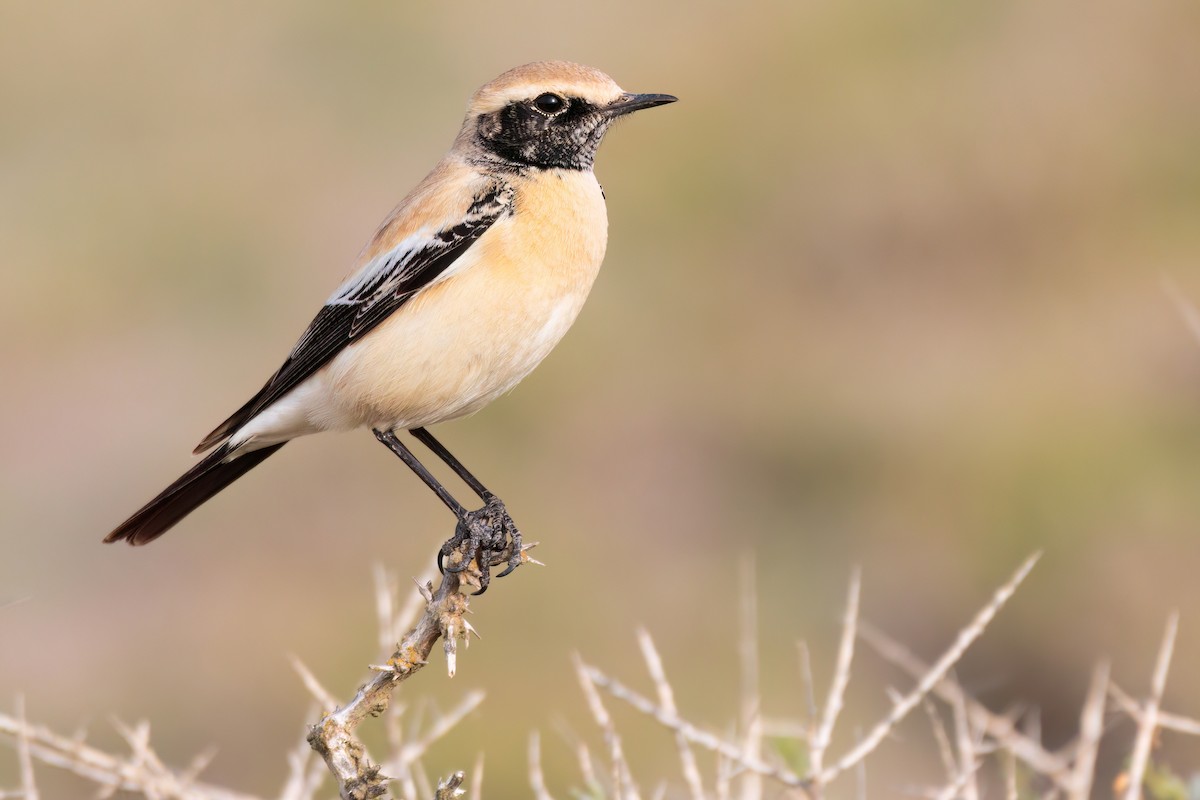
236,420
185,495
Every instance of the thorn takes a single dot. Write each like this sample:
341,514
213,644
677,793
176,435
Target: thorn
426,590
451,787
470,629
381,668
451,649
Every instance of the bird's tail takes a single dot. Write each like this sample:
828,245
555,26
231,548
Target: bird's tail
205,479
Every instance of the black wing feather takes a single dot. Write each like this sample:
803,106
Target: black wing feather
358,309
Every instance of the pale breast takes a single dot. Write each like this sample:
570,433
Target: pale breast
462,342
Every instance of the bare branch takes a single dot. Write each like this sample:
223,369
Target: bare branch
326,702
333,737
730,752
959,787
945,751
117,773
476,792
412,751
998,727
810,699
1010,775
305,773
751,701
860,773
968,764
443,618
537,779
1091,728
666,699
964,640
421,780
385,605
1148,720
724,777
841,678
622,777
1166,720
24,757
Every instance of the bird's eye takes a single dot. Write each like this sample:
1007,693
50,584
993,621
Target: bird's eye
549,103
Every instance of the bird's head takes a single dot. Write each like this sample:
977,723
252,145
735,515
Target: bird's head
547,114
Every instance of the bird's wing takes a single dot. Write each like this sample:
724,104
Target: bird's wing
370,295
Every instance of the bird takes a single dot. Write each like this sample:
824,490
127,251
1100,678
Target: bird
464,288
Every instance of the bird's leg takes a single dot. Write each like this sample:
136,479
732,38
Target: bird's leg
466,532
396,446
479,535
438,449
501,527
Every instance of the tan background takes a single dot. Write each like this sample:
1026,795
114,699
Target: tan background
884,288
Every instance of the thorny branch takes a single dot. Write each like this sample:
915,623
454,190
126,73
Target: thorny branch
741,763
817,776
333,737
133,773
978,734
143,772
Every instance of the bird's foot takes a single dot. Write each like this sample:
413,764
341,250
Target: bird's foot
487,536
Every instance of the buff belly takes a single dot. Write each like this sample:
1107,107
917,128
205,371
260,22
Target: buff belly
464,341
462,345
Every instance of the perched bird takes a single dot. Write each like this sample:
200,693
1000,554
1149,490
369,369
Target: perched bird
463,290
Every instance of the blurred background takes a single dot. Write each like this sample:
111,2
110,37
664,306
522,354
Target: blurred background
885,288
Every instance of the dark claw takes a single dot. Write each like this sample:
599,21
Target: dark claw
514,555
455,570
483,535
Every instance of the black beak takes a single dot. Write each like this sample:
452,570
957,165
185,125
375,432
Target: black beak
628,103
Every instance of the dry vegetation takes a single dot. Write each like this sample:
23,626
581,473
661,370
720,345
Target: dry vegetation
983,752
881,290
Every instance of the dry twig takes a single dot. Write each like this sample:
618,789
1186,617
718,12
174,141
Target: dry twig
934,676
1147,720
999,727
24,757
823,734
751,700
731,753
333,737
666,698
1091,728
1166,720
537,779
142,772
622,777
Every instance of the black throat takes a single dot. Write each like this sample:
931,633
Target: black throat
522,137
